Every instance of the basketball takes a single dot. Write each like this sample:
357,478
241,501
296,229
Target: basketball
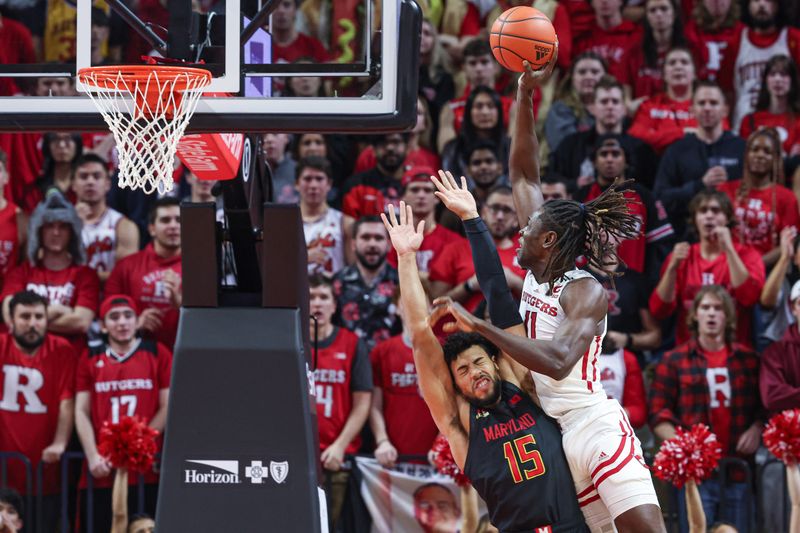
523,33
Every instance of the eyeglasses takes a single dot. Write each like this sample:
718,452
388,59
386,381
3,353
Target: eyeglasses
499,208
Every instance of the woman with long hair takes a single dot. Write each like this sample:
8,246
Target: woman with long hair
644,62
59,150
763,206
572,109
666,117
778,104
483,120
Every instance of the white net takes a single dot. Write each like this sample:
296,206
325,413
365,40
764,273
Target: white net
147,115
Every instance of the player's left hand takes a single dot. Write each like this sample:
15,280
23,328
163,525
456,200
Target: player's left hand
405,239
749,440
333,457
53,453
457,199
465,321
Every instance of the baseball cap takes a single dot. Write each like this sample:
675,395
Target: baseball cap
417,173
795,294
116,300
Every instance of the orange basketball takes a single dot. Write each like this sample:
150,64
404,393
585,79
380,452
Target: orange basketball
522,33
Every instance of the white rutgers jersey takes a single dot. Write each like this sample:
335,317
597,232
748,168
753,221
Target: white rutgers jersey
749,69
543,314
100,241
326,233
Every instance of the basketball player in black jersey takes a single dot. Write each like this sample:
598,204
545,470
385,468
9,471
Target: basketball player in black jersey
481,401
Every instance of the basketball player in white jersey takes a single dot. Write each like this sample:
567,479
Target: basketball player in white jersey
107,235
564,311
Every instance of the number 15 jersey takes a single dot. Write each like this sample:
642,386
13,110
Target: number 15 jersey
543,314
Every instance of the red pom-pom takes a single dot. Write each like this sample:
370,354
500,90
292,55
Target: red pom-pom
129,444
782,436
691,454
444,462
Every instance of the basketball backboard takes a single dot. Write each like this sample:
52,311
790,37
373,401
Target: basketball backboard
371,76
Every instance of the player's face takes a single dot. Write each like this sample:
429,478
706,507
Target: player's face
554,191
371,245
419,195
678,68
390,152
585,76
166,230
476,377
483,167
717,8
312,144
29,324
778,82
273,146
313,186
709,107
63,147
533,242
760,156
435,509
120,324
284,15
660,14
609,107
500,215
322,304
709,216
143,525
90,183
484,113
610,162
55,236
710,316
480,70
763,11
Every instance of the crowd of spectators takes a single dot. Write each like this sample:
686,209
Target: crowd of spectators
694,102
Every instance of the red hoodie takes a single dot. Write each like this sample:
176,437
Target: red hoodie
660,121
779,378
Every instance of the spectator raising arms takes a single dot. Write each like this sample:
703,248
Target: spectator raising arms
763,206
715,260
778,104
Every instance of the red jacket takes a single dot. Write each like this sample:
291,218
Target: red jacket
660,121
779,378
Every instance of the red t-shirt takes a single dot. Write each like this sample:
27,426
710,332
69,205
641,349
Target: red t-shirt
74,286
695,272
408,420
9,239
719,392
24,151
304,46
459,105
31,391
660,121
454,266
432,245
786,123
762,214
581,17
610,44
16,42
421,157
141,276
472,23
644,80
128,385
342,367
714,52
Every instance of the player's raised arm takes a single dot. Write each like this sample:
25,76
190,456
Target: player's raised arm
585,304
524,158
435,382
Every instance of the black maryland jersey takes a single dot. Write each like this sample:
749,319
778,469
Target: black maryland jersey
516,463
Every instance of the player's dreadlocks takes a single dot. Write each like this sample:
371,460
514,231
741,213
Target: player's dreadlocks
588,230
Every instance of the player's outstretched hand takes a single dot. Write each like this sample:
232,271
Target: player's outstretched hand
465,321
532,79
457,199
405,239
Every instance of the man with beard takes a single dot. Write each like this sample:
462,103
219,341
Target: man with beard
766,35
453,273
364,290
418,192
107,234
343,381
370,192
647,251
37,380
124,376
481,402
152,277
484,169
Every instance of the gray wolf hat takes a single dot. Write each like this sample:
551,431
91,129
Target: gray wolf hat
56,208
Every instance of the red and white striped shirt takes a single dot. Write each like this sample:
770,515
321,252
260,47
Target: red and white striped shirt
543,314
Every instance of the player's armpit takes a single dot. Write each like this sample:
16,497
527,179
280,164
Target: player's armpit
585,305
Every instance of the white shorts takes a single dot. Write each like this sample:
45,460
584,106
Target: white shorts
605,459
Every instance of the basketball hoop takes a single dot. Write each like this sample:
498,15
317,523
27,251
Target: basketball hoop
147,108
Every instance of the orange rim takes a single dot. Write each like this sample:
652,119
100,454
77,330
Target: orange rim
106,77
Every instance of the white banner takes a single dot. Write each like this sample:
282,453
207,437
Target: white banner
410,498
